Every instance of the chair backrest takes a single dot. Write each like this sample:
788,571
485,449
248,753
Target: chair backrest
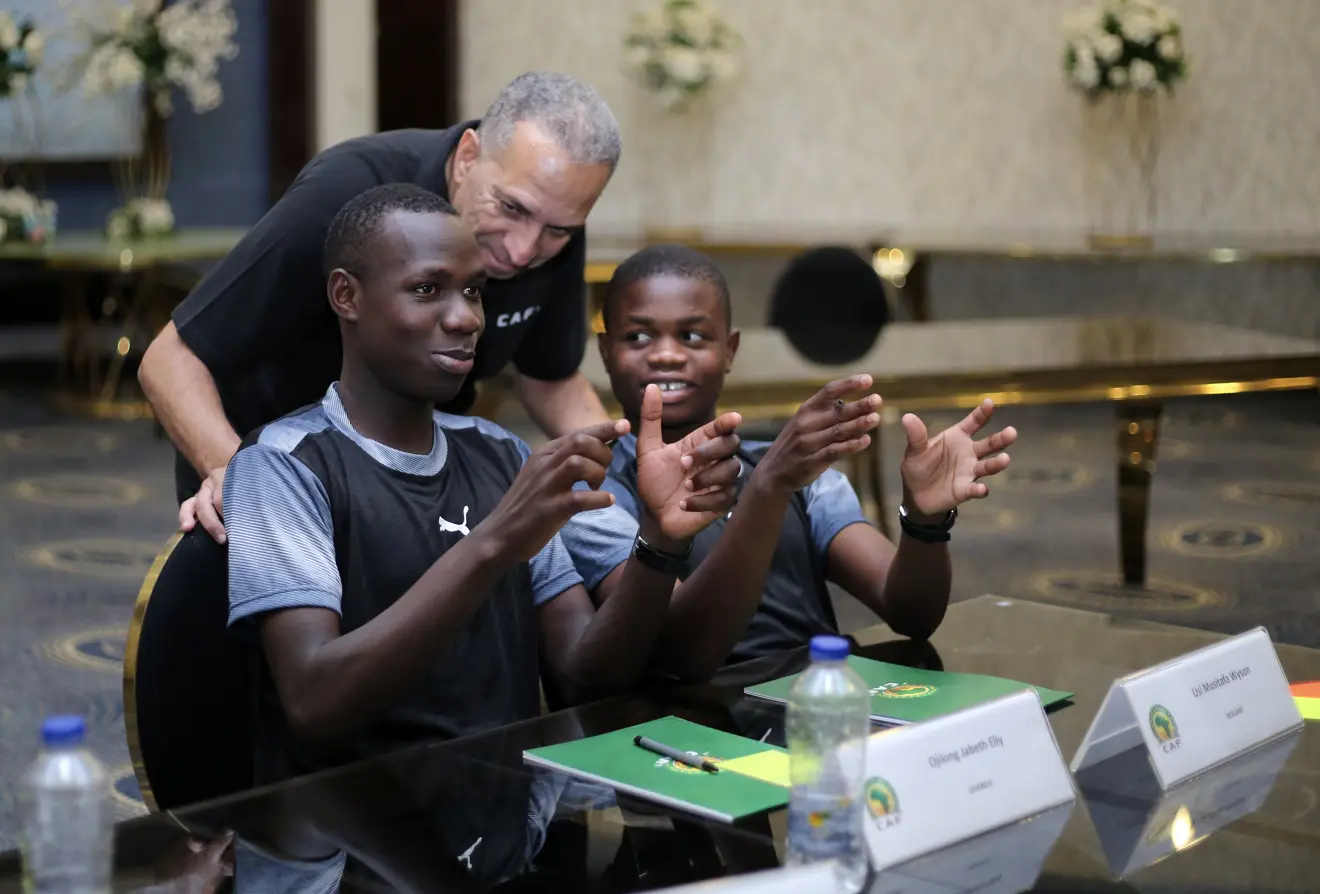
830,304
188,681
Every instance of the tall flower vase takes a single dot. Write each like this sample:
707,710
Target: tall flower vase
675,173
142,181
147,175
1122,149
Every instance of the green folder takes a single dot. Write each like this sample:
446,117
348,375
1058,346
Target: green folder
907,695
753,776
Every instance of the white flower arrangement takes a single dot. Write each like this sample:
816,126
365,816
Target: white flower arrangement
24,217
157,47
21,47
140,219
682,49
1118,46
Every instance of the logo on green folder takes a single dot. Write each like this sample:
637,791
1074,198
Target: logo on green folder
904,690
687,768
881,802
1165,729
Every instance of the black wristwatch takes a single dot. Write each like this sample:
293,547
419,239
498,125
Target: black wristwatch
658,560
938,533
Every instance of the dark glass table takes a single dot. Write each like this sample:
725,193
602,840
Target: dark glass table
468,815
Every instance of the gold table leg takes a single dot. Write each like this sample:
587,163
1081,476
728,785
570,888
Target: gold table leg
1138,424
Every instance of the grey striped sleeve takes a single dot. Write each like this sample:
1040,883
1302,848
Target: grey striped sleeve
281,537
599,541
552,572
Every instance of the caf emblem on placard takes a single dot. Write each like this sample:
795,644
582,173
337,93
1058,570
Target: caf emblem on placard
904,690
881,802
1165,728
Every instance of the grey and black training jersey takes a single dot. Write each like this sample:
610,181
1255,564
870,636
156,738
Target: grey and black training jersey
319,516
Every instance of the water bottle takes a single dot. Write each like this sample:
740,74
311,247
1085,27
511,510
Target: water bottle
68,832
829,718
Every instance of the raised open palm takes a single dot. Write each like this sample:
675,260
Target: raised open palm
705,458
943,472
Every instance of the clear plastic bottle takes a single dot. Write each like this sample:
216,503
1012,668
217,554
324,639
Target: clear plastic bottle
68,829
829,718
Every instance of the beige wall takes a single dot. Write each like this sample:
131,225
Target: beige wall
345,36
927,115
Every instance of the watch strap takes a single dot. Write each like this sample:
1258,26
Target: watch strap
659,560
938,533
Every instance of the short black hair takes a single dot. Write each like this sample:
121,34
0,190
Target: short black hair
665,260
358,222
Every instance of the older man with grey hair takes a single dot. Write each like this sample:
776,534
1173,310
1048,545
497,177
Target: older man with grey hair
256,339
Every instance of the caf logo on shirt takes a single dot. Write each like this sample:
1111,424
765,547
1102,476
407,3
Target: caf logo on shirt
881,802
904,690
1165,728
518,316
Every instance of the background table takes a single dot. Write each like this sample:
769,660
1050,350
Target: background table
137,269
410,819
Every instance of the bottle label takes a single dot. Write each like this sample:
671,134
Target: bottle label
822,826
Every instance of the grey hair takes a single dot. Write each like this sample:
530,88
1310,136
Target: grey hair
569,110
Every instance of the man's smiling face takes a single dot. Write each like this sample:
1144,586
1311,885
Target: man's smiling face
523,201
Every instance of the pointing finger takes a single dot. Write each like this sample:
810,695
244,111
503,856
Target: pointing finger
650,434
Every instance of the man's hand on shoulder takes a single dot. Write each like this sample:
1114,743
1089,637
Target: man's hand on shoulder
542,498
206,506
825,429
686,485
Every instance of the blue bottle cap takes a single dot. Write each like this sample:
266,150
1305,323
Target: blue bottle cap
829,648
63,729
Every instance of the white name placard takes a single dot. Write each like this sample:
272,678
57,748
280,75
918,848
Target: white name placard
1196,711
946,780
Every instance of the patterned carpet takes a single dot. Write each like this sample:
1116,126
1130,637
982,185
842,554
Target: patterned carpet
1233,533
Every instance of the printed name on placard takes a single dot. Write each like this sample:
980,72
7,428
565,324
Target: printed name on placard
951,778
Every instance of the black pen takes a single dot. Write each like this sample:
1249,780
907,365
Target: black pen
674,754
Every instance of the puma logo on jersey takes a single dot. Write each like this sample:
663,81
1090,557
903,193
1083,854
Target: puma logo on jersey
461,528
466,857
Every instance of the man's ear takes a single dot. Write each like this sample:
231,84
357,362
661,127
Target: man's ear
735,338
344,291
603,345
466,154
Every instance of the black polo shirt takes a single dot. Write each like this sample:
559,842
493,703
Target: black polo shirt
262,324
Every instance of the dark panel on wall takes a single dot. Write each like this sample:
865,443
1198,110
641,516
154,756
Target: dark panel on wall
291,86
416,63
